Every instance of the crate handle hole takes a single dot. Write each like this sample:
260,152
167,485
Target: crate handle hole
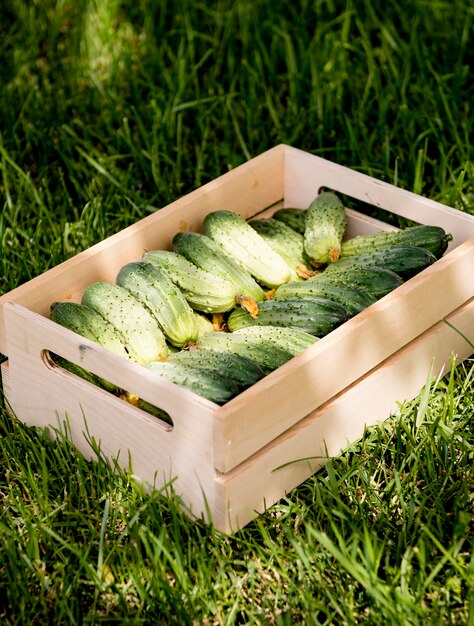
55,362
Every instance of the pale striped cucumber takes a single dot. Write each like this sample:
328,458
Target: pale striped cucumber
137,326
354,300
204,291
207,255
376,281
314,315
241,370
325,227
406,261
286,242
265,352
152,287
238,240
205,383
432,238
292,217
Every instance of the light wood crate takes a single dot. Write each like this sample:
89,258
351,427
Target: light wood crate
231,462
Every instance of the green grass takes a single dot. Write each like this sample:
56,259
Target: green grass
109,111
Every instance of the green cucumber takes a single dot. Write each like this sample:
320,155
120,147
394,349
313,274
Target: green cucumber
294,218
204,383
325,227
241,370
314,315
292,340
131,319
432,238
354,300
406,261
151,286
265,352
375,281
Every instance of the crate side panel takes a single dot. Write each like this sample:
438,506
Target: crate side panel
49,397
246,190
290,459
347,353
305,174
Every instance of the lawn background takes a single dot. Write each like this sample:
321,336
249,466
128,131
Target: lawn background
110,110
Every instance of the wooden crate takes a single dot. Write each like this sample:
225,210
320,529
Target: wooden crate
231,462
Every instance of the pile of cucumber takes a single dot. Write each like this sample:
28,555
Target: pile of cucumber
229,305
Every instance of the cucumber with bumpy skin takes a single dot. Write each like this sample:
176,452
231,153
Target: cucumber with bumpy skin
207,255
202,382
238,240
314,315
291,339
354,300
292,217
204,324
204,291
376,281
432,238
285,242
324,228
265,352
90,324
132,320
406,261
152,287
241,370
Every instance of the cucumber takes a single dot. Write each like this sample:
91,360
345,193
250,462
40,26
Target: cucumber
286,242
406,261
204,291
238,240
139,329
292,217
239,369
314,315
205,383
207,255
325,227
204,324
90,324
152,287
265,352
290,339
354,300
375,281
432,238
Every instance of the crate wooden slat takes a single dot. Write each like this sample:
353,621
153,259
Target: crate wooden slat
321,398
